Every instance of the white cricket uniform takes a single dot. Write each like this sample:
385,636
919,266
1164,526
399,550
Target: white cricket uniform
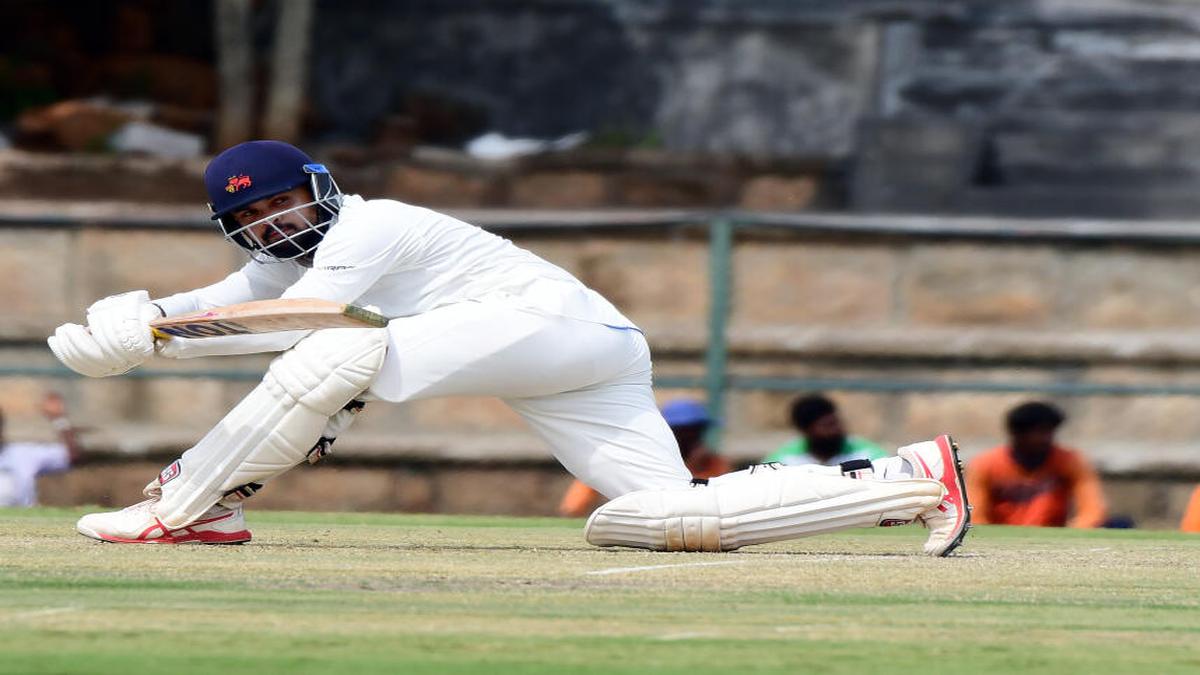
474,315
22,463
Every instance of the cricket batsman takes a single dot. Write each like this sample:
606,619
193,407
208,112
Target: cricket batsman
470,314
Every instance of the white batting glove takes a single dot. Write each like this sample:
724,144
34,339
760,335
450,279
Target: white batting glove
117,339
80,352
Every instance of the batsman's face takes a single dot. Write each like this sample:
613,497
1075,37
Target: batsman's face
276,217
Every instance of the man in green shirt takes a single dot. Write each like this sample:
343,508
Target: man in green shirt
823,439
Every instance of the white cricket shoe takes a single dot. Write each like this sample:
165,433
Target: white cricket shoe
949,521
137,524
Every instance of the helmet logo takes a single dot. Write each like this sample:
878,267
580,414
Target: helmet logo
237,183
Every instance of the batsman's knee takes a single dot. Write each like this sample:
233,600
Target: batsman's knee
328,368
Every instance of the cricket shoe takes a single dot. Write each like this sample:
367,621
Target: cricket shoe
948,521
137,524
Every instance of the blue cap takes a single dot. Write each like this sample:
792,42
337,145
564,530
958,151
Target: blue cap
685,412
251,171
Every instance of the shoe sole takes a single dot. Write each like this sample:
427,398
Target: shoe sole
212,538
962,489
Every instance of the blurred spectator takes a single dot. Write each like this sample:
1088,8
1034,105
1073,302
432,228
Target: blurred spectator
690,422
22,463
1032,480
823,439
1191,515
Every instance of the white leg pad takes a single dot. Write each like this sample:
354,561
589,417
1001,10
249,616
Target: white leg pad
271,429
756,506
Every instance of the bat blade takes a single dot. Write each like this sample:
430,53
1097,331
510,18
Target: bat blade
267,316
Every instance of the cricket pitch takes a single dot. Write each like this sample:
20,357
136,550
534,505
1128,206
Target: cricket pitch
378,593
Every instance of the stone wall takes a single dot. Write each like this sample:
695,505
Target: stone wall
962,317
760,78
1021,107
1035,107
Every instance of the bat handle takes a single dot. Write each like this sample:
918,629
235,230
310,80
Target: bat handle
159,335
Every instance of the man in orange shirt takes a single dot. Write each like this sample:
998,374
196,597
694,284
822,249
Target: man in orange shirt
689,421
1032,480
1191,516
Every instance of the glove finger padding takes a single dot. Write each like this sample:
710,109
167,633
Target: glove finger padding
78,350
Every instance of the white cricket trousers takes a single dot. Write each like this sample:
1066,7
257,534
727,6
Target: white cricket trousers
583,387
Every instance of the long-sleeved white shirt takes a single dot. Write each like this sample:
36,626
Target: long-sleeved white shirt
404,260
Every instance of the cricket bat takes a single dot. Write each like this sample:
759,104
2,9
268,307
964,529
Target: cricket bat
267,316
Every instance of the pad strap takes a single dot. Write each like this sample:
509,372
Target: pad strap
861,469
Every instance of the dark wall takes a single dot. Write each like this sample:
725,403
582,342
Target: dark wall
754,78
1037,108
1027,107
525,68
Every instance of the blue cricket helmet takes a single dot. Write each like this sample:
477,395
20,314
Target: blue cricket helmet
254,170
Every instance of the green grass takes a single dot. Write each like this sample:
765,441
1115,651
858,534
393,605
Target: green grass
376,593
